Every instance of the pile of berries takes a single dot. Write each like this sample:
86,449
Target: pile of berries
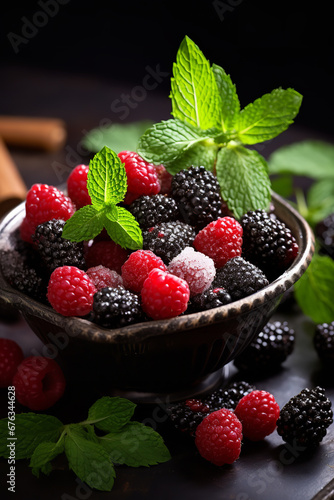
195,254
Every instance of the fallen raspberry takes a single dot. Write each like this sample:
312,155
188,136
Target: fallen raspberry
218,437
39,383
138,266
11,356
103,276
142,177
106,253
77,186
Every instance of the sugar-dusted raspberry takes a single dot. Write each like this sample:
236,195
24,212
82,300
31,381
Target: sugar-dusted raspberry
221,240
165,179
71,291
39,383
77,186
164,295
258,412
197,269
218,437
103,276
142,177
11,356
138,266
46,202
106,253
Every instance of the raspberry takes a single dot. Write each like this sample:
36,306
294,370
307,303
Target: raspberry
221,240
218,437
103,276
27,230
116,307
142,177
77,186
71,291
323,341
106,253
197,269
258,413
164,295
45,202
39,383
11,356
211,298
165,179
152,210
138,266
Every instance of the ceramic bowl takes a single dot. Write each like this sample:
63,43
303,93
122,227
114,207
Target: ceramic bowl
183,355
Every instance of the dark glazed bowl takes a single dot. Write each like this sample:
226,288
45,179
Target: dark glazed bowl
180,356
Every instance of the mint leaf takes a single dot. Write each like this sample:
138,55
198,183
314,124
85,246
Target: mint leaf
199,154
283,185
244,180
125,231
118,136
110,414
135,445
84,225
268,116
320,200
194,92
107,181
314,289
229,98
89,460
28,438
44,454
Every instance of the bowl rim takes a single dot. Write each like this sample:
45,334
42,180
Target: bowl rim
84,329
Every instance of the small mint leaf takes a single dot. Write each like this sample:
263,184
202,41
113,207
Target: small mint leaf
45,453
125,231
84,225
229,98
110,414
106,181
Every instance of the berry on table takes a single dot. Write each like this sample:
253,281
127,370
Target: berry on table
77,186
11,355
116,307
39,383
138,266
142,177
106,253
103,276
323,341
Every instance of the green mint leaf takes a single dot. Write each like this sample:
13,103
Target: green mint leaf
125,231
197,155
283,185
107,181
45,469
194,92
110,414
44,454
136,445
89,460
31,429
320,200
84,225
313,291
118,136
229,98
268,116
243,178
310,158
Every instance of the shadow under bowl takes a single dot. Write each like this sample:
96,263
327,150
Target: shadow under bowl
178,357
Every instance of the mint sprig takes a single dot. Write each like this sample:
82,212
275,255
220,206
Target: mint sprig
92,456
208,128
107,185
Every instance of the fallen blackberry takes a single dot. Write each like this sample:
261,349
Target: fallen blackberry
323,341
116,307
210,299
54,249
267,242
197,193
240,278
324,231
304,420
152,210
228,397
268,350
168,239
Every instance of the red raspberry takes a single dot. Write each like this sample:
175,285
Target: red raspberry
165,179
258,412
11,356
27,230
77,186
39,383
164,295
221,240
218,437
71,291
142,176
106,253
45,202
103,276
138,266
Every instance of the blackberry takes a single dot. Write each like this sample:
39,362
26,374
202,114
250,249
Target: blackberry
324,231
323,341
152,210
210,299
55,250
267,242
168,239
197,193
228,397
240,278
268,350
116,307
304,420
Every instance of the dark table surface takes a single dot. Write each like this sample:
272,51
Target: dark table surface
266,470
